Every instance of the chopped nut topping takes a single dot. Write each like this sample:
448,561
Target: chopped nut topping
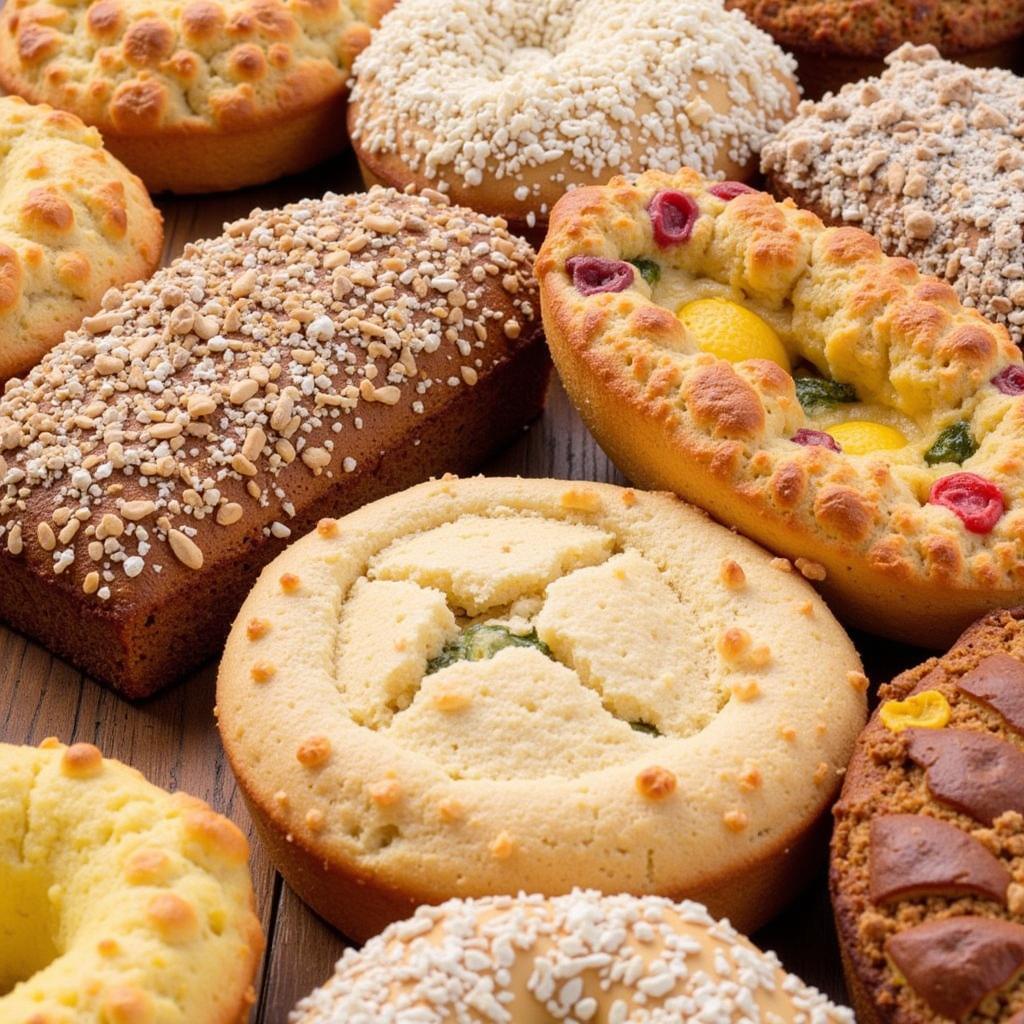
290,583
732,574
257,628
262,672
810,570
314,751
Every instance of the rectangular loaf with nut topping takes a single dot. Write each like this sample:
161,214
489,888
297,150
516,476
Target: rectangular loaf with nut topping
308,360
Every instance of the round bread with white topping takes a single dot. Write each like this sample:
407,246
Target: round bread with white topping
581,957
505,105
928,158
491,685
75,223
827,400
198,96
120,903
307,360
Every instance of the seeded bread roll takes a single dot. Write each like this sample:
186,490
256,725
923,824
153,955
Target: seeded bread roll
198,96
120,903
927,873
929,159
308,360
73,223
839,41
492,686
580,957
827,400
505,105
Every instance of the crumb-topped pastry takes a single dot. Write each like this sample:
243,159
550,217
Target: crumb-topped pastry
75,223
839,41
582,957
506,105
309,359
827,400
927,871
119,903
196,96
486,686
928,158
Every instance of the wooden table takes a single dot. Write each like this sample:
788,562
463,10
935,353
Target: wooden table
173,740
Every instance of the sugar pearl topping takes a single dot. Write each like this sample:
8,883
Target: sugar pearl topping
614,959
930,159
566,92
217,388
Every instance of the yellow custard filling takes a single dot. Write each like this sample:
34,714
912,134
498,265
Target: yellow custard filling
724,323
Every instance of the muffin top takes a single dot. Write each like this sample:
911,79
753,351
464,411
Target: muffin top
477,96
485,685
871,28
929,158
73,222
137,68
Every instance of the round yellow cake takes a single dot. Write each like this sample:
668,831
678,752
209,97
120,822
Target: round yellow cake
119,903
492,685
826,400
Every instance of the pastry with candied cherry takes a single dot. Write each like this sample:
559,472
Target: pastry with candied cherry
825,399
927,870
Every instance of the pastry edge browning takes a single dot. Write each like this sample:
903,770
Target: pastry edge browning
361,906
650,442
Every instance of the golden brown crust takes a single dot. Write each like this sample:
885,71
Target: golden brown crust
77,223
881,781
194,74
871,28
718,433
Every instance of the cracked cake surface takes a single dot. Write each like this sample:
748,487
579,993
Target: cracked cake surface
490,685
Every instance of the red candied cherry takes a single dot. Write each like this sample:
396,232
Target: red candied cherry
593,274
816,439
1010,380
729,190
977,501
673,215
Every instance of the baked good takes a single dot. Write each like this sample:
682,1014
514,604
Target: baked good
838,41
513,958
929,159
505,105
75,223
120,903
927,872
826,400
198,96
485,686
308,360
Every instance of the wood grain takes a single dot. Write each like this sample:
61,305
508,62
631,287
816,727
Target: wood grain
173,739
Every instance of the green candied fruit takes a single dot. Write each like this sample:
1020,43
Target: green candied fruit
483,641
815,393
954,444
649,270
645,727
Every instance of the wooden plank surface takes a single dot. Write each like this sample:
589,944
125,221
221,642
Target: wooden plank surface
173,740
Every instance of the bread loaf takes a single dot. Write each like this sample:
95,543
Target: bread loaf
306,361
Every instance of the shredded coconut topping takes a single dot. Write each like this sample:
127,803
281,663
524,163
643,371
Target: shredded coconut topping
564,92
620,959
213,390
929,158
